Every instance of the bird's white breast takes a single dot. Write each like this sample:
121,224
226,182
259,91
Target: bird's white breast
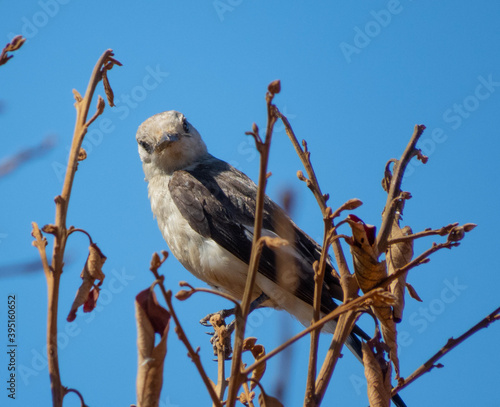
210,262
200,255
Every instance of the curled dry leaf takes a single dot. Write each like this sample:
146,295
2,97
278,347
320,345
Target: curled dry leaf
389,333
88,292
151,318
367,269
378,375
258,351
397,256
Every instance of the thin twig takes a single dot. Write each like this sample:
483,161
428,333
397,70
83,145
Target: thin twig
59,230
417,261
9,164
428,232
452,343
156,262
344,327
14,45
82,402
263,148
395,188
329,237
353,305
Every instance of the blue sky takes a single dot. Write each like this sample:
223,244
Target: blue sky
356,77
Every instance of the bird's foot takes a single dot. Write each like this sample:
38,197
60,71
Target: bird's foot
222,313
221,337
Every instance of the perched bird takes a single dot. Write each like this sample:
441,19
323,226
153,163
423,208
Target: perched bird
205,210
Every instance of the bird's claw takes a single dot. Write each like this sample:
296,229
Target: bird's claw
221,337
224,313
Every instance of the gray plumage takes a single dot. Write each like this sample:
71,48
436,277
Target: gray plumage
205,210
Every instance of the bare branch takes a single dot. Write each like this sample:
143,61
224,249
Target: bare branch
394,190
236,378
60,232
156,262
9,164
451,344
352,305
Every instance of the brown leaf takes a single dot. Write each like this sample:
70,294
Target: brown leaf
367,269
268,401
378,376
107,88
151,318
258,351
389,333
91,272
413,292
397,256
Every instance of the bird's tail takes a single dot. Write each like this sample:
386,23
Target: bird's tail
353,342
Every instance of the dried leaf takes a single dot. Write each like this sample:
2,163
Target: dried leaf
367,269
88,292
413,293
397,256
378,376
151,318
258,351
107,87
268,401
389,333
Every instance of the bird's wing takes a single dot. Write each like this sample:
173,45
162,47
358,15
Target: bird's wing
219,201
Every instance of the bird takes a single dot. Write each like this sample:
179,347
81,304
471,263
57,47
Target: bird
205,209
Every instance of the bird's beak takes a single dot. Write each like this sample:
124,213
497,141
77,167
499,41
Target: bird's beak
166,140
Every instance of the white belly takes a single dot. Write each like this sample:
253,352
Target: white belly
213,264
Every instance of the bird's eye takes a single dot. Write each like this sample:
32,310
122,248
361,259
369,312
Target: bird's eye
146,146
185,126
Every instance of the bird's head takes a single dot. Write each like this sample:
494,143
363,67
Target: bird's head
168,142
